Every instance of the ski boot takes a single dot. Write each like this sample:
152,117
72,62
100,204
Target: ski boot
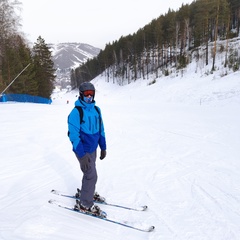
93,210
96,197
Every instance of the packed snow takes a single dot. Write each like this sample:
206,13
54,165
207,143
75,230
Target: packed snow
173,145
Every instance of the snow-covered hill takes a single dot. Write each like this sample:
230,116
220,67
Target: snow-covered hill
173,145
71,55
67,56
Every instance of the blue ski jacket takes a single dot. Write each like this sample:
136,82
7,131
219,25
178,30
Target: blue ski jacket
86,136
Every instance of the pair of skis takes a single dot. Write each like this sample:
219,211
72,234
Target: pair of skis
122,223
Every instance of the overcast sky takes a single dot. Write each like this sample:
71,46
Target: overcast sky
95,22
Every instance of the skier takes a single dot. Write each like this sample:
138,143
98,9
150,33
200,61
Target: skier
86,133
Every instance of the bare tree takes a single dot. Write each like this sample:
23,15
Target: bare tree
9,20
9,23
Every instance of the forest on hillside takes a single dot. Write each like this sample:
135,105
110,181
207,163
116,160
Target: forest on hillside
169,40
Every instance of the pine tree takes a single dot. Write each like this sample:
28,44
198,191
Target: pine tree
17,56
43,68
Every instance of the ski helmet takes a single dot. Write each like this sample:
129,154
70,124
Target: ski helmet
84,87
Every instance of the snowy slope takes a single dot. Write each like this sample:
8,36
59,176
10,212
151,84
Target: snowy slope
173,145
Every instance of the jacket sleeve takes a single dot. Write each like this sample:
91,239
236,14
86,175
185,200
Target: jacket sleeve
74,132
102,138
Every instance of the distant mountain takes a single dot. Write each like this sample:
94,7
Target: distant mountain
71,55
67,56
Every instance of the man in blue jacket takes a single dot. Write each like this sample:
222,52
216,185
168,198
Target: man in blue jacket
86,133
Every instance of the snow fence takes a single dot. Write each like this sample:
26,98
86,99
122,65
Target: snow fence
24,98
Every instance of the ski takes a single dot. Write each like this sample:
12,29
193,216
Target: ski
148,229
141,208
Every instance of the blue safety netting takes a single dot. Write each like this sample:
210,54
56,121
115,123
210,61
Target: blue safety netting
24,98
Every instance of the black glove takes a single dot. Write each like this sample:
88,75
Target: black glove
84,162
103,154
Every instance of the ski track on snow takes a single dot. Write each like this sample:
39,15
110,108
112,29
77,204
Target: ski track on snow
179,159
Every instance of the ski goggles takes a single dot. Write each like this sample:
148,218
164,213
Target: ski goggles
88,92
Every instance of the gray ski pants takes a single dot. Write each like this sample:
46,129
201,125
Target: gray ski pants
89,181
